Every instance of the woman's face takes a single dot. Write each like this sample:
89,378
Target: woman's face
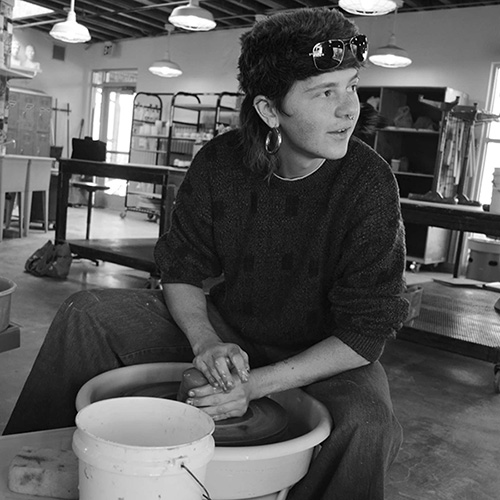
315,119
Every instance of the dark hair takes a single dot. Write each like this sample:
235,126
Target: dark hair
275,54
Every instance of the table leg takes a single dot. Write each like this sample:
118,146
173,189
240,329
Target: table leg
89,213
458,254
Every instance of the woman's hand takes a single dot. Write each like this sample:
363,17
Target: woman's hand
219,404
219,362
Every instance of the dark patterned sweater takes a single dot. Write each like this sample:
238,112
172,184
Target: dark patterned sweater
302,260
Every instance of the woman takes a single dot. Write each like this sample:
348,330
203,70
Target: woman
303,222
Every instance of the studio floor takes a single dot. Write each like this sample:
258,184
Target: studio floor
445,402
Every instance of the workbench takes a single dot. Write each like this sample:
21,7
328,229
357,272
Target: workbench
461,218
460,320
136,253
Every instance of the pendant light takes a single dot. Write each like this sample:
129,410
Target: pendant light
165,67
70,31
370,7
192,17
390,55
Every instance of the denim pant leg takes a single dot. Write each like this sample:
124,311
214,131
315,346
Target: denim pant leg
93,332
353,461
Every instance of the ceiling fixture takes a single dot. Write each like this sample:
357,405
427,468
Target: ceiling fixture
370,7
70,31
390,55
192,17
165,67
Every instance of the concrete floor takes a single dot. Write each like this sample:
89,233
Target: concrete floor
445,402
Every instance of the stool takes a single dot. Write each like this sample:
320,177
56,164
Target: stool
91,188
39,174
13,175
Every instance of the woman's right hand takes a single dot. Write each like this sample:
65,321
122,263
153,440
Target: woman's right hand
217,359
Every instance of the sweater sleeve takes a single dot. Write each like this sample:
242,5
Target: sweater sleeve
366,303
186,253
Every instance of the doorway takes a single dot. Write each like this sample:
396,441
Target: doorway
113,94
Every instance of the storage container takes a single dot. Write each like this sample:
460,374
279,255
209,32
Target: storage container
484,260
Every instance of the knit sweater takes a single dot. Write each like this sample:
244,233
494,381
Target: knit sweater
302,260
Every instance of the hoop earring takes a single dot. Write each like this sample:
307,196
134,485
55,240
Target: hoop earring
273,141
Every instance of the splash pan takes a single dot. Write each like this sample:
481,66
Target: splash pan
256,472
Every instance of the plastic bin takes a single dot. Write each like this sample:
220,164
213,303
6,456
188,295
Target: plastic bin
484,260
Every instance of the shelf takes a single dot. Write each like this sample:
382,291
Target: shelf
151,122
12,73
408,130
151,136
153,196
196,107
140,150
183,153
191,139
226,109
414,174
184,124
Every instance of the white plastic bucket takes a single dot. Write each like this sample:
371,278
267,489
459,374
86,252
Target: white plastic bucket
484,260
7,288
142,448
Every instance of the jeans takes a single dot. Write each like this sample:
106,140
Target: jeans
98,330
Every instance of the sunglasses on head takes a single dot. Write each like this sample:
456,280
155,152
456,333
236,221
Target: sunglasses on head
330,54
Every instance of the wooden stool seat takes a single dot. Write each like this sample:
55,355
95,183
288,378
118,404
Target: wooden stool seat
91,188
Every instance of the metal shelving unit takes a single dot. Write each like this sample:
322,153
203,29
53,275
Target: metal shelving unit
148,142
193,119
417,146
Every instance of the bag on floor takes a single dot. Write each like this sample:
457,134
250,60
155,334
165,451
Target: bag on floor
50,260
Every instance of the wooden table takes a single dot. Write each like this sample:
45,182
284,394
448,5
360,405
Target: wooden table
10,338
136,253
445,326
458,217
11,445
461,218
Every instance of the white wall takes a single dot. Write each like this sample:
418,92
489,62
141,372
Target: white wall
65,81
452,47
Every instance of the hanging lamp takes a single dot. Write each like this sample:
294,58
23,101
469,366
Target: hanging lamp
192,17
70,31
165,67
390,55
370,7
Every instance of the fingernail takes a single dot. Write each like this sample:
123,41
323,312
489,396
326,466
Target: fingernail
189,401
191,393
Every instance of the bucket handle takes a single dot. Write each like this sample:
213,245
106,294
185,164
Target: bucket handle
206,494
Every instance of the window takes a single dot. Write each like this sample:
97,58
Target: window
491,155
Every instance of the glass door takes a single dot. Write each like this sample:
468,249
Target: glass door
111,120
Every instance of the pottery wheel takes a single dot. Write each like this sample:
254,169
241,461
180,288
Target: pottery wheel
164,390
265,421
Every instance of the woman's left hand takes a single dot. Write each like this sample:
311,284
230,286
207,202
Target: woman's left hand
219,404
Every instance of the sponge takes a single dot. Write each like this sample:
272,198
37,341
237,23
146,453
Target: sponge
44,472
